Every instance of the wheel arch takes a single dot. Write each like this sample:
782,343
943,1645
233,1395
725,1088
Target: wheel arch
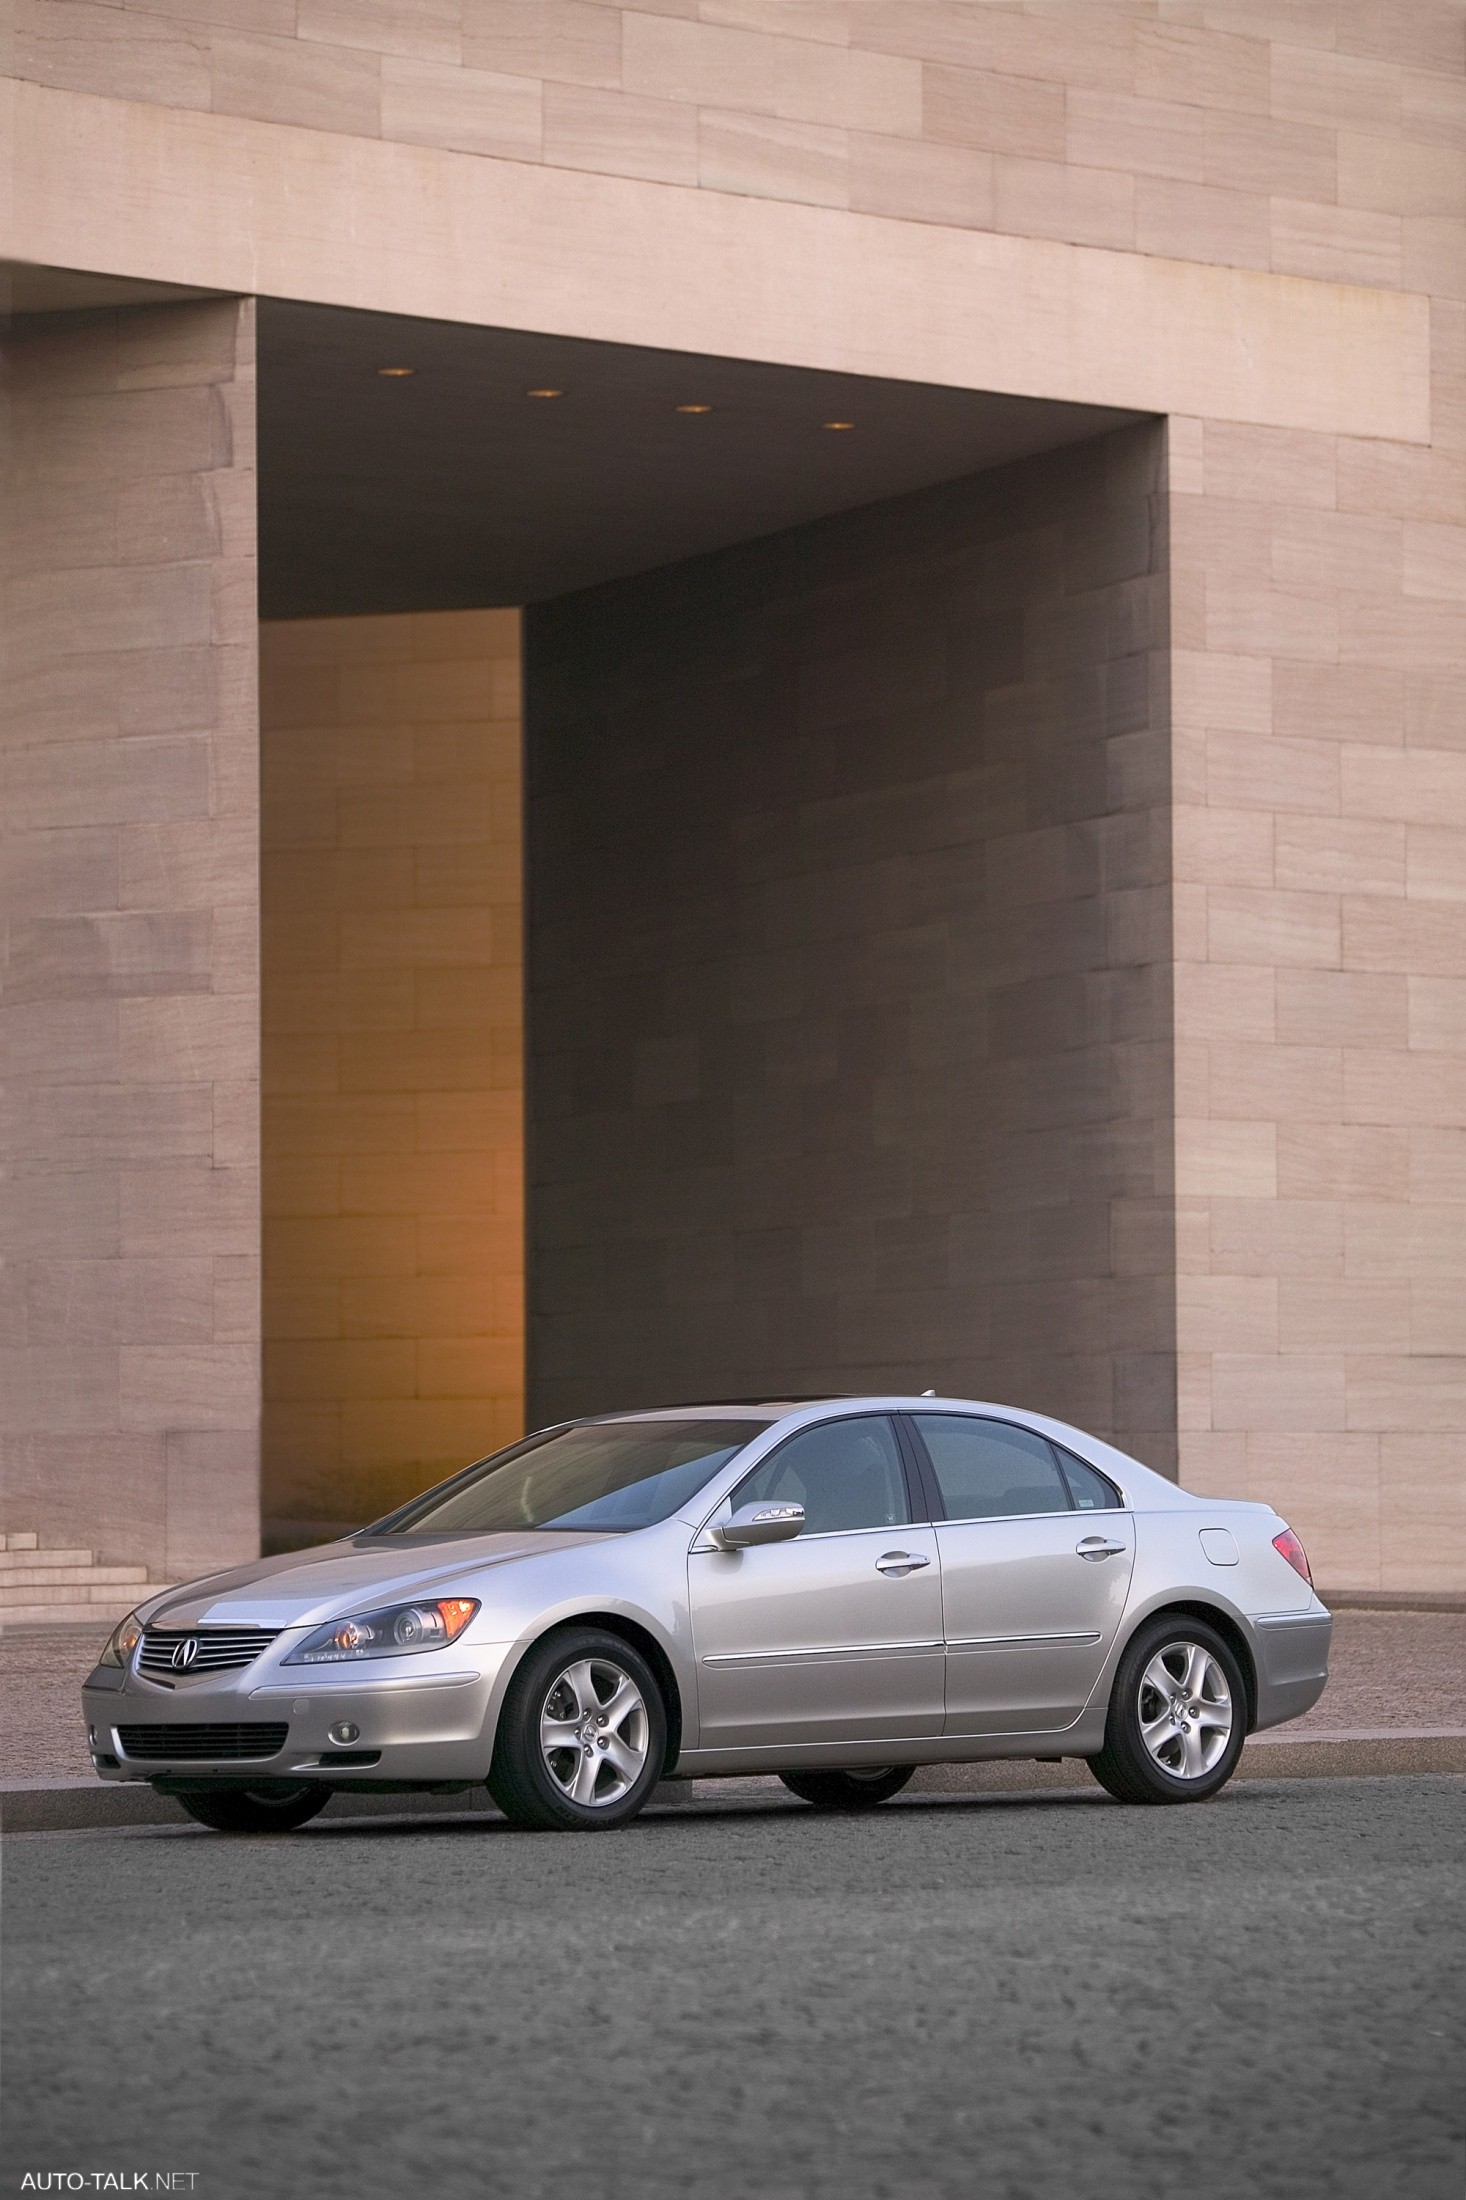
640,1638
1233,1634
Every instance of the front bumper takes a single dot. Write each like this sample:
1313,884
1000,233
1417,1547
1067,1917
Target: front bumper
419,1728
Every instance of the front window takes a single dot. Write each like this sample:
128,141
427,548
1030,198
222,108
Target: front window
846,1474
601,1474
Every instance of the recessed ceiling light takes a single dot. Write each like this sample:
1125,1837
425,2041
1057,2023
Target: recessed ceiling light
839,423
395,374
694,408
544,393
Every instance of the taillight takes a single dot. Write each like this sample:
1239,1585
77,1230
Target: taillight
1288,1546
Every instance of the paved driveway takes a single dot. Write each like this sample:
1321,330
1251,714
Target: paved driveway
983,1999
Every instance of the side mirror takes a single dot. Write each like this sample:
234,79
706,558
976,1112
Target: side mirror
759,1524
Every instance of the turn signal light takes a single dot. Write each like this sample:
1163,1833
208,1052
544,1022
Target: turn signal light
457,1612
1288,1546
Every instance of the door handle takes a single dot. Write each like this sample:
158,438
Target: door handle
1099,1546
900,1562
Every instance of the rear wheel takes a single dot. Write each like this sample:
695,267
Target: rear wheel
1177,1718
856,1789
253,1810
582,1738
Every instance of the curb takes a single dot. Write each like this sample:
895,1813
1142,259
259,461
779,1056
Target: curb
86,1805
1393,1753
1394,1600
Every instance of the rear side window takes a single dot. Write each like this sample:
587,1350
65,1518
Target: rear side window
1090,1491
990,1470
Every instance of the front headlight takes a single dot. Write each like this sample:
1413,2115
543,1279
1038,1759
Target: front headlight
124,1641
387,1634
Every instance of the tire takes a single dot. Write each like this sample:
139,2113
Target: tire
852,1790
253,1810
557,1766
1177,1717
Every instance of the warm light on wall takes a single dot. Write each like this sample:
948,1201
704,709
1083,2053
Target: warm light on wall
395,374
393,1289
839,423
544,393
694,408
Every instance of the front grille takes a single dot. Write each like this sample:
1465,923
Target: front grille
218,1649
214,1743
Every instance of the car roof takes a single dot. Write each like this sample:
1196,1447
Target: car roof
1138,1482
720,1409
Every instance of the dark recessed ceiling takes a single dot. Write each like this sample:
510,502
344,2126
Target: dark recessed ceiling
451,488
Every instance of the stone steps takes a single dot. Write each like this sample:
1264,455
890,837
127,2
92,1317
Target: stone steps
64,1586
69,1577
26,1565
101,1613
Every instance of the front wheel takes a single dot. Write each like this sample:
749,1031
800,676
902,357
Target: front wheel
856,1789
1177,1718
253,1810
582,1738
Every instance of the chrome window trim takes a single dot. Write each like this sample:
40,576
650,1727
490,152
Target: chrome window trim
896,1406
822,1535
976,1520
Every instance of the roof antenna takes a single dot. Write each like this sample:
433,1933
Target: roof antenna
928,1394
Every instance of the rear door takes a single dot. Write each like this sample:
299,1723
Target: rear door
835,1636
1036,1555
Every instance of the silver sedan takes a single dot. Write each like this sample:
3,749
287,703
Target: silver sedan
834,1591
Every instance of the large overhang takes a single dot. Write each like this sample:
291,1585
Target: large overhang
220,202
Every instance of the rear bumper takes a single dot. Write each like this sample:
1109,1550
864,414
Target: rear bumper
1292,1663
420,1730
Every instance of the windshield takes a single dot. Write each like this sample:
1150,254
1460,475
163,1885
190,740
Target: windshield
606,1474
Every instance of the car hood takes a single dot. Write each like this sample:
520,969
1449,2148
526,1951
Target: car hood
303,1588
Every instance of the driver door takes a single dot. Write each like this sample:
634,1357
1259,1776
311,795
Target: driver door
835,1636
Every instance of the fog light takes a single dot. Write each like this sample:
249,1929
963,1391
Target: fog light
345,1731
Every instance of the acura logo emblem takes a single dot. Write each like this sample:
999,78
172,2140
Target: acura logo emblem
184,1653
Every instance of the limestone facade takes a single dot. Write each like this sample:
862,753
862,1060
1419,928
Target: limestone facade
129,995
1319,768
1244,215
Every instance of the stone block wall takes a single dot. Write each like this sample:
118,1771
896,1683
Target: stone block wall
1320,670
1319,590
393,1148
129,987
849,959
1315,139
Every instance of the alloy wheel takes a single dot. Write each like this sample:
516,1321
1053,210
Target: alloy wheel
594,1732
1185,1709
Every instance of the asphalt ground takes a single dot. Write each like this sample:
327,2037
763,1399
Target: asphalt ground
1056,1998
